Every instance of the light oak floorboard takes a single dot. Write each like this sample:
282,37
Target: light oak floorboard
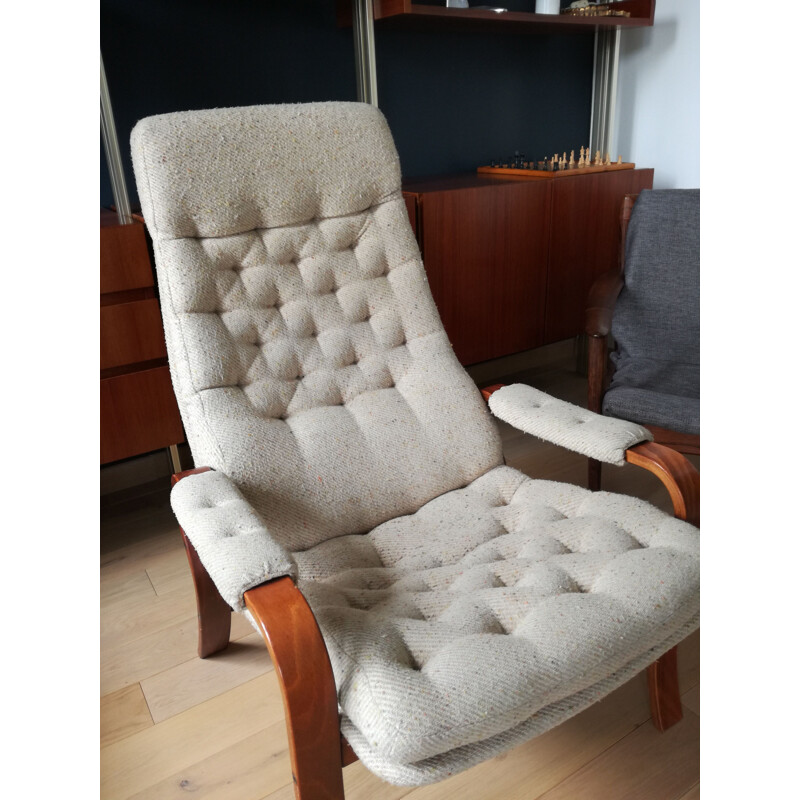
123,713
645,764
132,660
689,661
131,588
185,685
170,573
153,755
359,784
243,771
144,616
691,699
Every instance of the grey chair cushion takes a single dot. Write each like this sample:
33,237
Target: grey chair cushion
674,412
656,322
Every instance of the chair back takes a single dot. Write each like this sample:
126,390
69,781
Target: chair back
656,324
308,359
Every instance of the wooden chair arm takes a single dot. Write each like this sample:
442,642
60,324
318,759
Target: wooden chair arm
601,301
187,472
490,390
676,472
213,613
304,672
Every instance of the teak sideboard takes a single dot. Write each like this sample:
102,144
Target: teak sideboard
510,260
138,410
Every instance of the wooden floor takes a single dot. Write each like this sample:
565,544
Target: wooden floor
173,726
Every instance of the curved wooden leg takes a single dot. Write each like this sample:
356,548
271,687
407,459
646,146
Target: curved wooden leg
665,696
676,472
595,468
304,671
682,480
213,613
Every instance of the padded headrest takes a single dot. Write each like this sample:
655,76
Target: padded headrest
250,167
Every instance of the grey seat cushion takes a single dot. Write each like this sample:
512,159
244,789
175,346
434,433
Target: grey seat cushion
675,412
656,322
494,612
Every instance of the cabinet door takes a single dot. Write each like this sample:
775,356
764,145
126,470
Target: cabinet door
485,251
584,242
138,413
124,260
131,333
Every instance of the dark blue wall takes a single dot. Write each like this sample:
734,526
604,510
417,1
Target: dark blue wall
453,100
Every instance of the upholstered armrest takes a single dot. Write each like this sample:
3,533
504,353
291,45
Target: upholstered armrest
230,537
601,301
565,424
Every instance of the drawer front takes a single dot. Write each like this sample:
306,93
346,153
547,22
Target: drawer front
130,333
124,260
138,413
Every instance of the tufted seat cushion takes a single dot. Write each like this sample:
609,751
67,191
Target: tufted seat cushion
475,617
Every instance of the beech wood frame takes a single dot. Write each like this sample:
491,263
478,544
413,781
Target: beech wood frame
317,748
599,313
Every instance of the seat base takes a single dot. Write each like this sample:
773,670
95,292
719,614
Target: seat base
462,758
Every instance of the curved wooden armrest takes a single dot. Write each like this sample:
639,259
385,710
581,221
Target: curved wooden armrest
601,301
213,613
676,472
490,390
187,472
304,672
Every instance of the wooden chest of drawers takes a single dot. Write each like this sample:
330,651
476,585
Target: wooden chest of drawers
138,410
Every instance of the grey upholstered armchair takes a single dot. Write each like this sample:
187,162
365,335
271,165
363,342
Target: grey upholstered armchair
650,304
426,607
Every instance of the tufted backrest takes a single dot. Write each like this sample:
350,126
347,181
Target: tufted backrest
308,359
657,317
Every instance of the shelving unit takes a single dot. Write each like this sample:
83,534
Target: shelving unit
407,14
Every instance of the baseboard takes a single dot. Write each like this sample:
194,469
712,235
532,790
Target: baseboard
119,479
495,370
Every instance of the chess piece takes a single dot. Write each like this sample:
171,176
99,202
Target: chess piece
619,159
607,160
597,160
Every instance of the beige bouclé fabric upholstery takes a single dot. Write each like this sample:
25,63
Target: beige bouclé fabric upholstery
465,606
308,359
492,603
228,534
565,424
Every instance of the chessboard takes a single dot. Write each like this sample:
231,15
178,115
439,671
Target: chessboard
556,166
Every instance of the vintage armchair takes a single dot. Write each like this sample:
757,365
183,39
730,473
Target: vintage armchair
650,304
426,607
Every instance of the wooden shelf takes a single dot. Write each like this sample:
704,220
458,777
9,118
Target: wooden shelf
406,13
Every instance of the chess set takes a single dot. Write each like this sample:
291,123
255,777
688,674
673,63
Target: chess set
555,166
